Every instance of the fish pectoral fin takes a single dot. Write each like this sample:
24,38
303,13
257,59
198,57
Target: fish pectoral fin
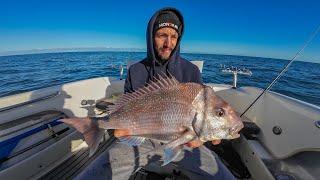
188,136
173,148
131,140
170,154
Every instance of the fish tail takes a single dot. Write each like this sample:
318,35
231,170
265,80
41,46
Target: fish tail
93,135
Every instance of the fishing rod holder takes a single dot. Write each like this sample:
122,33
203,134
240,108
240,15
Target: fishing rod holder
121,71
120,68
235,71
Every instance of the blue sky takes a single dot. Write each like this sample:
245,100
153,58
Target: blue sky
254,28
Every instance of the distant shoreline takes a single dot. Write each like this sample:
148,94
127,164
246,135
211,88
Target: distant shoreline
66,50
135,51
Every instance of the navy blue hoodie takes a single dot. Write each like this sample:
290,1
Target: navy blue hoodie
142,72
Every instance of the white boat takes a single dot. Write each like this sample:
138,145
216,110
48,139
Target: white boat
281,142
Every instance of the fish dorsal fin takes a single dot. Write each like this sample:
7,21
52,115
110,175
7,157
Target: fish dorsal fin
160,81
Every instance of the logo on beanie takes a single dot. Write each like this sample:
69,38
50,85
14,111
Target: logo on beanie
168,25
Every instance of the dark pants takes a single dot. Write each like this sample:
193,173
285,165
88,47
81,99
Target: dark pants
119,163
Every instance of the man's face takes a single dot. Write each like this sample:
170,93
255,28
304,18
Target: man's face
165,41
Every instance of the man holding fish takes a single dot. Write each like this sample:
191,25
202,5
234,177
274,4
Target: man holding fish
165,108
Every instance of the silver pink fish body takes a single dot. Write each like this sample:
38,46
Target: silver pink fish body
163,112
168,111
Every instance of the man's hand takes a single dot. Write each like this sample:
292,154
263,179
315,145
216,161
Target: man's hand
216,142
198,143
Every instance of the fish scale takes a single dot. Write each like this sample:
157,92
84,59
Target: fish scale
168,108
165,114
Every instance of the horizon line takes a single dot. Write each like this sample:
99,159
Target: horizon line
111,49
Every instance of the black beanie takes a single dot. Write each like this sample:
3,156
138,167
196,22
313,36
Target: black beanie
167,19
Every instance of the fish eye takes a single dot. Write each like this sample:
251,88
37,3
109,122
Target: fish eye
220,112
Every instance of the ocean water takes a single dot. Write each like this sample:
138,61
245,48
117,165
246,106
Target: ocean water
23,73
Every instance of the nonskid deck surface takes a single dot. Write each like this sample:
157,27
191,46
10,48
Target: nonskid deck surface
77,162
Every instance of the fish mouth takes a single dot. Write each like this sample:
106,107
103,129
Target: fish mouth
221,135
223,132
234,136
235,130
227,132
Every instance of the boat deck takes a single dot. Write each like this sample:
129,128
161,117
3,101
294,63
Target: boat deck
71,167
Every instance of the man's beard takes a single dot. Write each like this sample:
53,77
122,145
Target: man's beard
162,59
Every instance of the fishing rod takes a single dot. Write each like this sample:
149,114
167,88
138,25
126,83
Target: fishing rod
312,36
